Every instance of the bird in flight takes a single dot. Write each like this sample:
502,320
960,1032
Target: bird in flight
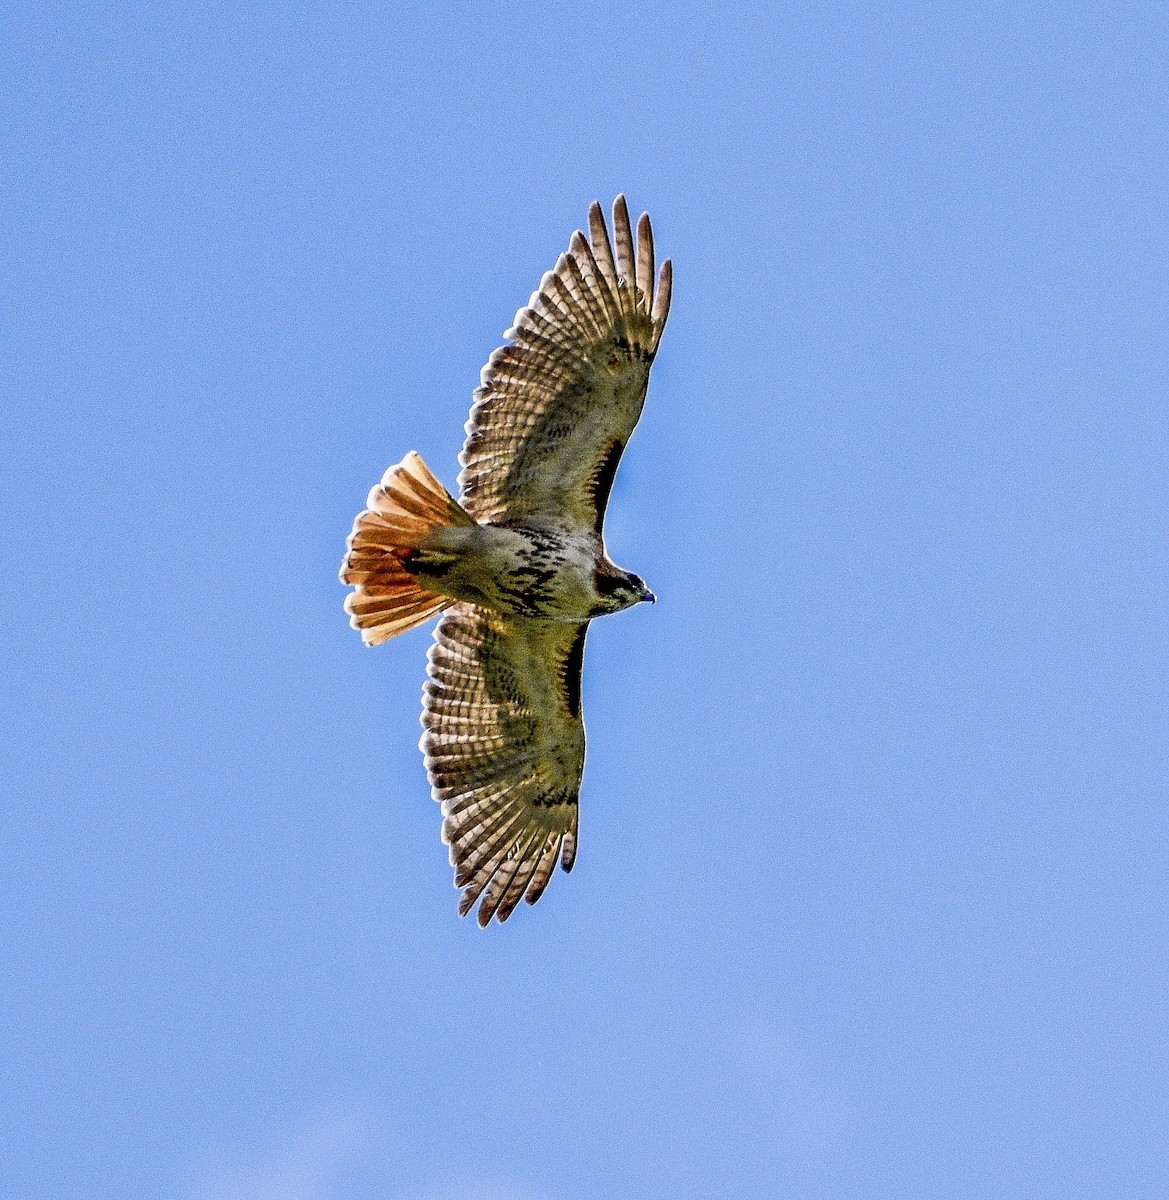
517,565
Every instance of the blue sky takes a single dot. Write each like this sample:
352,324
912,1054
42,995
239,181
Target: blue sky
870,899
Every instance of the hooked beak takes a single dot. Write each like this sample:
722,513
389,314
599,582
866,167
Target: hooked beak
648,595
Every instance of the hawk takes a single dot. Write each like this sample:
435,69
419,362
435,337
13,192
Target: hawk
517,565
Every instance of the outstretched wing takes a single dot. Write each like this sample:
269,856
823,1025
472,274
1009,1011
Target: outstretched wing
557,405
504,747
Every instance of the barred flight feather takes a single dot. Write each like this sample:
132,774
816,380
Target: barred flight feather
508,776
571,382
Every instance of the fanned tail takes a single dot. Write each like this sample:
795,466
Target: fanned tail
401,512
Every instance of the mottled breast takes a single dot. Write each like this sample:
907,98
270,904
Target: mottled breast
549,573
530,569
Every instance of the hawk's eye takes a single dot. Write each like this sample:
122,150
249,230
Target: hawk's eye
609,585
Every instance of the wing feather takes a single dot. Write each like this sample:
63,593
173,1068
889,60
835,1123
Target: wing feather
623,237
545,865
645,258
601,245
568,853
523,876
570,384
661,304
502,881
503,743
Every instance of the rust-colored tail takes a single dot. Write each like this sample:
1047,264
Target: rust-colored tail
401,512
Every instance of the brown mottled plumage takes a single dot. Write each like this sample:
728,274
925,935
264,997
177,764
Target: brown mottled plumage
519,563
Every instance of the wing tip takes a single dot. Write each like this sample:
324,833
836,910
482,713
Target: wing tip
662,295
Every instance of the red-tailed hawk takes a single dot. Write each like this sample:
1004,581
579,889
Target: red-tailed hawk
518,564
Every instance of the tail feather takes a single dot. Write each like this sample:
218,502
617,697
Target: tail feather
401,512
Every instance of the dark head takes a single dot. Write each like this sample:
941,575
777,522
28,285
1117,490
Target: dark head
617,589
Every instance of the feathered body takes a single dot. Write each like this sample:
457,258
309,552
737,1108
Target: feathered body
535,569
518,563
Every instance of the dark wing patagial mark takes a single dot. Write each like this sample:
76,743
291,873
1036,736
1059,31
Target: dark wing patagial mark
603,478
572,671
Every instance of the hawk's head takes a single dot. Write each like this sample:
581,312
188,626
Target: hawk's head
617,589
